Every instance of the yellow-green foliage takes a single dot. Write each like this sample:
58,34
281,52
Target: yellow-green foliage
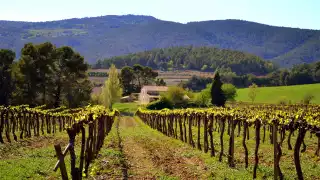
111,91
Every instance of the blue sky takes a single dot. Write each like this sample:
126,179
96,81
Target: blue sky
289,13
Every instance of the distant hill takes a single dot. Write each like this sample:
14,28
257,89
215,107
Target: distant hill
107,36
193,58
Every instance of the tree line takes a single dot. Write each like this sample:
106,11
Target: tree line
235,67
44,74
298,74
194,58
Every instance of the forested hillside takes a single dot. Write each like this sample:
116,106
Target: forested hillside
107,36
202,58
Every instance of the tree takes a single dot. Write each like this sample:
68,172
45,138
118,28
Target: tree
203,98
148,75
176,95
6,60
160,82
36,66
44,63
80,93
253,89
230,91
197,83
111,91
138,72
29,84
132,79
317,72
69,77
217,96
126,79
48,75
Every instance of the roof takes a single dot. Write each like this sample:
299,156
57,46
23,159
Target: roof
154,88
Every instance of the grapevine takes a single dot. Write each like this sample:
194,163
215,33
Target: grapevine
278,120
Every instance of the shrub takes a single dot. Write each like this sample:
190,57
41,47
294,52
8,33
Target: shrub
95,99
176,95
307,99
160,104
283,100
253,89
203,99
229,91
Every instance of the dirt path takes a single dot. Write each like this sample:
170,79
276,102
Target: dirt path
138,159
151,155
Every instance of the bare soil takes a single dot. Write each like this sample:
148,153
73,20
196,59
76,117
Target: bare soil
151,156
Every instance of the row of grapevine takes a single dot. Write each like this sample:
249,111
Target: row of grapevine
92,124
98,74
24,122
277,120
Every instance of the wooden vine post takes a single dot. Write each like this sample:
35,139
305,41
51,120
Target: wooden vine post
222,121
301,135
232,124
211,135
190,117
275,150
256,157
83,146
199,135
245,127
61,165
205,138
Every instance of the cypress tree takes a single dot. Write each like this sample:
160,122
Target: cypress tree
217,96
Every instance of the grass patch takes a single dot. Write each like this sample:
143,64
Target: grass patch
110,160
274,94
33,158
129,108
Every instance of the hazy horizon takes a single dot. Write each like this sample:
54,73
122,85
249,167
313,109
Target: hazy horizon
285,13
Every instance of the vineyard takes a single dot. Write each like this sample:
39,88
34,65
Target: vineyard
270,124
251,141
91,125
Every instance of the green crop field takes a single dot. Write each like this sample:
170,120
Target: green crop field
274,94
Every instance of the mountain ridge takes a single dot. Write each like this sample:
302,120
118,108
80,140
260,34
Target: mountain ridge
107,36
135,15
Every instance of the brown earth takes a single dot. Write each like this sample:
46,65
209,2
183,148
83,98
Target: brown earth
152,155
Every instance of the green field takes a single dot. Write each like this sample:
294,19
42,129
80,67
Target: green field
274,94
126,107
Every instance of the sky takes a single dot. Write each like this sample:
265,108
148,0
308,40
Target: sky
289,13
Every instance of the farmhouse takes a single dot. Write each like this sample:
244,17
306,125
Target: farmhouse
151,93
